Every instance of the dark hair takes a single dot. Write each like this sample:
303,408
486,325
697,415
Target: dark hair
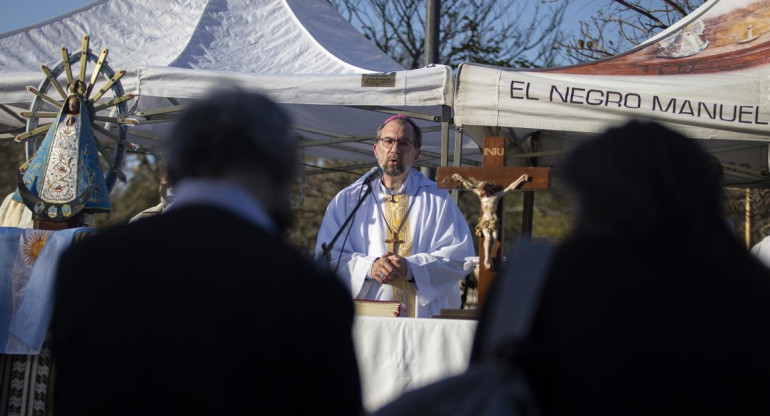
645,180
229,130
403,119
490,188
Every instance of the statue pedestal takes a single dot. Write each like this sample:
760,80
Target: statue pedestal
78,221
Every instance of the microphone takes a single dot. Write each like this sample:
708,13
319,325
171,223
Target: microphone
373,174
326,248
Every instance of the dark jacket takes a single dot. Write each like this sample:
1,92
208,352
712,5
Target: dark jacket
651,306
197,311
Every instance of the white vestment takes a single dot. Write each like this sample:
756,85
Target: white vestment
440,242
762,251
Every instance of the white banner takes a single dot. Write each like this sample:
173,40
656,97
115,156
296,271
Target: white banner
702,104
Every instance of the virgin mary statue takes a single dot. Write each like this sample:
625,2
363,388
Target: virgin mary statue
64,176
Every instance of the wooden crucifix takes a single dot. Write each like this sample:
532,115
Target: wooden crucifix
393,242
497,179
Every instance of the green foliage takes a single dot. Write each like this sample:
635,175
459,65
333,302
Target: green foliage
318,190
748,209
137,194
11,157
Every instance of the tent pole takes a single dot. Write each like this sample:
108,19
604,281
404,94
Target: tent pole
431,31
446,114
528,204
457,154
527,212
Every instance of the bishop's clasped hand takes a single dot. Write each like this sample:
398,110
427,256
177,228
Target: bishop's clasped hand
389,268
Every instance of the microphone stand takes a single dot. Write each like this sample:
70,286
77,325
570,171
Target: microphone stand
326,248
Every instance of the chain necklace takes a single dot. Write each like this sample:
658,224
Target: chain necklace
392,193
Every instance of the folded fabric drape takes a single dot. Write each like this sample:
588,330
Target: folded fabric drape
28,260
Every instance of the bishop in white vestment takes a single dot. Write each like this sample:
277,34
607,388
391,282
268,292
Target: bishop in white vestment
405,215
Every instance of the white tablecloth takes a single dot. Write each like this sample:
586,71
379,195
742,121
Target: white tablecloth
400,354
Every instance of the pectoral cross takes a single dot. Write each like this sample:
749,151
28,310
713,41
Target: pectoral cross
393,242
494,170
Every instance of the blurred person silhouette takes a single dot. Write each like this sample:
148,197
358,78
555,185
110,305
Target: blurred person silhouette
204,310
166,195
651,305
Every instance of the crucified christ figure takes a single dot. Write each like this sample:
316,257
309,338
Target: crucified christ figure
489,194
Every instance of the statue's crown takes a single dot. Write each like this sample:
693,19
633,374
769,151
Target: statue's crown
76,87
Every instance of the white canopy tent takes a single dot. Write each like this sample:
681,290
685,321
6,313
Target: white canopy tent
302,53
708,76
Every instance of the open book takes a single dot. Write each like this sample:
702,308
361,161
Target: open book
377,307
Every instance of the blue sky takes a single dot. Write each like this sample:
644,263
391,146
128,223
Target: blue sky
21,13
17,14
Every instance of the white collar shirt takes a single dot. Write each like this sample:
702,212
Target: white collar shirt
225,195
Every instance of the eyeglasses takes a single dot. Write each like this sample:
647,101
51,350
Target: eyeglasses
404,145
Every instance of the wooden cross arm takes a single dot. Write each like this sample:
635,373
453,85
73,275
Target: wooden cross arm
539,176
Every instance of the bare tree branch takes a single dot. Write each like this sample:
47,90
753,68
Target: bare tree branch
623,24
506,33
